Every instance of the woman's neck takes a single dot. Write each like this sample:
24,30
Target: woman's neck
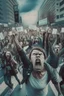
38,74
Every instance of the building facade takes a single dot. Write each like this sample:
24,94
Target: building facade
47,10
59,12
53,10
7,11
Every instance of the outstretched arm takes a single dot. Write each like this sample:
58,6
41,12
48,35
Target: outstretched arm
22,54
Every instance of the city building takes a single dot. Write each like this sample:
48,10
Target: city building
47,12
59,20
52,13
7,11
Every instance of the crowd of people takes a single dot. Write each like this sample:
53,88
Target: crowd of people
41,55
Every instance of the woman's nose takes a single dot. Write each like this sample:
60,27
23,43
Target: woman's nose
37,55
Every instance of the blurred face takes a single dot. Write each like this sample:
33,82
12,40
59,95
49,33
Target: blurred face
62,36
7,55
50,35
36,40
21,44
56,49
37,59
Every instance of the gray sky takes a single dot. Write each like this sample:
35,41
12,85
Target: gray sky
29,10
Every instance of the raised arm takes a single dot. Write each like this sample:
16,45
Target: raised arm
25,60
53,76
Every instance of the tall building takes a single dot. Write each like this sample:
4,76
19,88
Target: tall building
52,11
7,11
59,13
47,12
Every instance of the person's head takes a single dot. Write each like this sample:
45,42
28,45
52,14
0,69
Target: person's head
37,57
21,43
8,55
36,39
56,49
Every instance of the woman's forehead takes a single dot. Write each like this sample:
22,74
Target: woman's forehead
37,51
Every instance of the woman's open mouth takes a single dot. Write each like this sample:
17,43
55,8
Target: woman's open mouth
37,62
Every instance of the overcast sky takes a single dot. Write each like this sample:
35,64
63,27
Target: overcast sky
29,10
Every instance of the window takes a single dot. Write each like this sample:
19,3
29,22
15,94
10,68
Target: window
62,15
57,9
57,4
62,9
61,3
57,17
15,7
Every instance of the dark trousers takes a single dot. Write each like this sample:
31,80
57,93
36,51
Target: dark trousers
16,78
7,79
13,73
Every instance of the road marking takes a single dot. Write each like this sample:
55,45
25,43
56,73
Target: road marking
53,88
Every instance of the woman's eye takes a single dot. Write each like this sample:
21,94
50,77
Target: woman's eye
34,54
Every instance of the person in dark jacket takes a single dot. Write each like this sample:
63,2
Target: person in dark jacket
53,58
38,73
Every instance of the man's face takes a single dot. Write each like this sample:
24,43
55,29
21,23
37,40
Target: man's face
37,59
